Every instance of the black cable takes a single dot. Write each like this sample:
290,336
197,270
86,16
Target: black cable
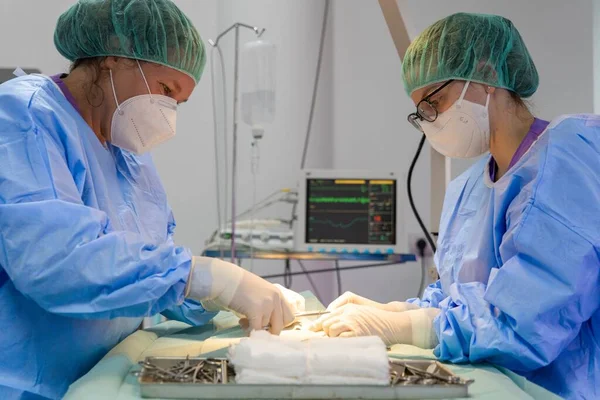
287,275
423,274
410,196
339,277
421,246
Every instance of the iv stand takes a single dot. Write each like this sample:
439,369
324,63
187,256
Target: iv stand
215,43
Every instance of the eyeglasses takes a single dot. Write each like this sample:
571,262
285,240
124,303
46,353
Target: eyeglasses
425,110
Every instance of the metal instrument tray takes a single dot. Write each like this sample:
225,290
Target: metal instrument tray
173,378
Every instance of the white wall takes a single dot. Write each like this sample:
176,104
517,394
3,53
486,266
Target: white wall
361,110
27,39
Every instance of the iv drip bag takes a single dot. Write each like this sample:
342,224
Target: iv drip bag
257,85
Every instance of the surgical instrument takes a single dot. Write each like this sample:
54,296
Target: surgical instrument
303,315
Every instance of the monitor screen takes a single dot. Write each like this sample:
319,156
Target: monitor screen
351,211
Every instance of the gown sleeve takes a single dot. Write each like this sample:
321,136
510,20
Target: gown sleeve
190,312
432,296
64,255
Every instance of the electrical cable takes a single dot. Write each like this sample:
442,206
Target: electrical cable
262,204
410,196
286,277
287,274
339,277
423,275
421,246
283,193
259,206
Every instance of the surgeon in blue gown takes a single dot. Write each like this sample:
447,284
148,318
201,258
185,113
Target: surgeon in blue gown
86,233
519,239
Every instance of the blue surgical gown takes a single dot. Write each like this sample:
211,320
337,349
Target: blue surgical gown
519,264
86,245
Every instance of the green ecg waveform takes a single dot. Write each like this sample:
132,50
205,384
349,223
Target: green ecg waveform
339,225
343,200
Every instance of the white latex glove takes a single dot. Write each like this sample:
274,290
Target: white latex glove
413,327
296,301
219,284
351,298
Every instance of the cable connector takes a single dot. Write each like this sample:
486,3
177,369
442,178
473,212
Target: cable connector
421,246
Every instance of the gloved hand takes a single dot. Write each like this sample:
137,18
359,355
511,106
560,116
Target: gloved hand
216,283
295,300
351,298
413,327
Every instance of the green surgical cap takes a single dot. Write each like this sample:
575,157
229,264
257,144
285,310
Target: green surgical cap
149,30
475,47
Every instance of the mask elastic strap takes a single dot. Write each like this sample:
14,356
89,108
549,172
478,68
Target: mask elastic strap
144,76
112,83
462,94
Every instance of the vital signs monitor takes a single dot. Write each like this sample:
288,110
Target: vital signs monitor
348,212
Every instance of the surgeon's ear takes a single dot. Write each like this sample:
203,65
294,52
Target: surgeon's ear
486,72
115,63
109,63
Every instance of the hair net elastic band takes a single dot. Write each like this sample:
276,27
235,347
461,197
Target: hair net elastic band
458,78
146,60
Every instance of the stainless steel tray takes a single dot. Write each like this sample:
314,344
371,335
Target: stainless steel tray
407,388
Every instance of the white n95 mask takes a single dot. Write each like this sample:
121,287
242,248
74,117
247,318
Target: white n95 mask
142,122
462,131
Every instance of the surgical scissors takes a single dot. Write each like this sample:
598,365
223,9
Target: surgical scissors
303,315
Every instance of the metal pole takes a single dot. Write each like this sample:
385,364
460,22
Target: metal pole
215,43
234,155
